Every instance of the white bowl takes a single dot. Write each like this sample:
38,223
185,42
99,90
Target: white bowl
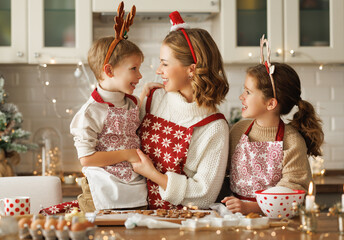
279,205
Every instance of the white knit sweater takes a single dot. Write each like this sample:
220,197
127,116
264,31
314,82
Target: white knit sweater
207,155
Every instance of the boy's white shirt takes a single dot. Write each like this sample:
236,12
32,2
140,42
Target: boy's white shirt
107,192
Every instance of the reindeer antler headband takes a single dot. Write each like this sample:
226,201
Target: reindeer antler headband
269,68
179,24
121,28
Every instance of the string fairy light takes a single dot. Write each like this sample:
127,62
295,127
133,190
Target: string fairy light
80,74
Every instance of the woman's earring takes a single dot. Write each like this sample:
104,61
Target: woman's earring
190,77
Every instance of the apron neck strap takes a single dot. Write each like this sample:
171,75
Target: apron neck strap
209,119
279,134
132,98
149,100
99,99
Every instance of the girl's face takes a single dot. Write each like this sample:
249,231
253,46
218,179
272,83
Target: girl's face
175,76
125,76
254,104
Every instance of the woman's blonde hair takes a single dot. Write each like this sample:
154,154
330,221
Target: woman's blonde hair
209,84
97,53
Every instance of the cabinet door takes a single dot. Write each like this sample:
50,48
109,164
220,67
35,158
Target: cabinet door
13,31
243,22
59,31
161,6
314,31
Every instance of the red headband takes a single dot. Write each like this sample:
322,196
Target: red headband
179,24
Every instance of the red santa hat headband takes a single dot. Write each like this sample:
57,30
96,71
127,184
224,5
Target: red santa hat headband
269,68
121,28
179,24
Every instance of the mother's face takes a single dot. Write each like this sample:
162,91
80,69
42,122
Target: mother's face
175,76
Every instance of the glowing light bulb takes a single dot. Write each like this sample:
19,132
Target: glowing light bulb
321,67
250,54
47,83
279,51
54,100
77,73
52,61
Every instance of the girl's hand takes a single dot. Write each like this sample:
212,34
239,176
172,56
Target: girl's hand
148,87
235,205
144,166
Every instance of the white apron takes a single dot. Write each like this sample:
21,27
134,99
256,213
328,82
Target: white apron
256,165
117,186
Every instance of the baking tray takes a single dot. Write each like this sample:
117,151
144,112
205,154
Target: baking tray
118,218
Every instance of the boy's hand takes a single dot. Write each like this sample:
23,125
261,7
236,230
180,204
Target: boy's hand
148,87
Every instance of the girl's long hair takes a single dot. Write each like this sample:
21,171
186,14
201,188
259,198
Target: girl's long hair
288,94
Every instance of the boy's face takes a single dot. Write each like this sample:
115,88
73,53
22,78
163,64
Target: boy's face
253,102
124,76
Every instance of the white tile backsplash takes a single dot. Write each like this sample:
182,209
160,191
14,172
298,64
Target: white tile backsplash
325,89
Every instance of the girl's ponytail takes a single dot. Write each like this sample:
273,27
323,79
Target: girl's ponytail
307,122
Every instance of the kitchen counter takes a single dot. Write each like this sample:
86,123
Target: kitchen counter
327,229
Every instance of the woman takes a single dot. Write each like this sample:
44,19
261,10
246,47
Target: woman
182,133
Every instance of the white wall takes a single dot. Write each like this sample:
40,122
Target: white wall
325,89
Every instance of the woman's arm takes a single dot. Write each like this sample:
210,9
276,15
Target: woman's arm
205,168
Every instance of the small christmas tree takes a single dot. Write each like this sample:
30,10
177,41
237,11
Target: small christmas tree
12,137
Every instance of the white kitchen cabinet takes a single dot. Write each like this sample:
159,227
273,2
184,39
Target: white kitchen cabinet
48,31
159,6
314,32
59,31
13,31
300,31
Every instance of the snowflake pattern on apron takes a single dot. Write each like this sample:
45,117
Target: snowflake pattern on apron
167,144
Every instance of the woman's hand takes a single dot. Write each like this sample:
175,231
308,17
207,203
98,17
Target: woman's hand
148,87
146,168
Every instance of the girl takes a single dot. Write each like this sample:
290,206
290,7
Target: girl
265,152
105,127
183,135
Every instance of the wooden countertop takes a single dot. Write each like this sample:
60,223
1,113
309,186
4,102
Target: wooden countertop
327,229
329,184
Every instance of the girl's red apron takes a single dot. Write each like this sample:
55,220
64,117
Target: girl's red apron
256,165
167,144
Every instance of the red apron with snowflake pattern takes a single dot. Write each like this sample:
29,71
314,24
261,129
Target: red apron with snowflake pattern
167,144
256,165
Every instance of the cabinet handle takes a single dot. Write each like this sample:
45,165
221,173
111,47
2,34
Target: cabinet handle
213,3
20,54
36,54
292,53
